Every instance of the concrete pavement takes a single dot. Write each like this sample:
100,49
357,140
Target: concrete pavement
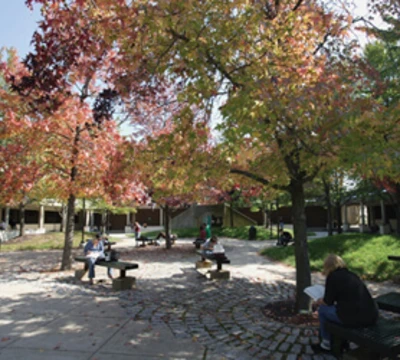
173,313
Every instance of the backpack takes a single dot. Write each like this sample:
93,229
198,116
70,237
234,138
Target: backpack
113,255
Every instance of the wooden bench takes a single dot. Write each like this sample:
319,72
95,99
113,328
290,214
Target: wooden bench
383,338
145,240
198,242
206,262
123,282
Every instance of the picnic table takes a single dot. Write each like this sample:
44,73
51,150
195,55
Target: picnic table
383,338
198,242
144,239
219,259
390,301
123,282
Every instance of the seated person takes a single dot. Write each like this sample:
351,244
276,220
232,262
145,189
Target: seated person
94,250
208,247
284,238
374,229
346,301
162,234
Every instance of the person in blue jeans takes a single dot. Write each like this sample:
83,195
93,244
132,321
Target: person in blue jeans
94,250
346,301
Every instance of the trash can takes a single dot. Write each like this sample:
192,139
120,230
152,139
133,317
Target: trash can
252,233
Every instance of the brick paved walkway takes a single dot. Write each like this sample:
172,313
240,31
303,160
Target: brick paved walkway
226,317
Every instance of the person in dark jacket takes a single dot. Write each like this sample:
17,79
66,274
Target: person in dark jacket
346,301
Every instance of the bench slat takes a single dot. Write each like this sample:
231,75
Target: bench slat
383,337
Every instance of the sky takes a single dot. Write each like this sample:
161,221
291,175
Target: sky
17,23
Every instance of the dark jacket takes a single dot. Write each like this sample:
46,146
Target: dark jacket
354,304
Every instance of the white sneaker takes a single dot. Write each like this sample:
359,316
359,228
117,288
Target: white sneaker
326,344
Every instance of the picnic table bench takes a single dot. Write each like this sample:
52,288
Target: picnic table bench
123,282
206,261
390,301
383,338
198,242
145,240
155,241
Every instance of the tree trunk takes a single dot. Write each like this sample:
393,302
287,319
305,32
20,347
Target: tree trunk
21,219
396,206
231,214
303,273
327,190
103,225
83,220
270,221
69,234
339,216
63,214
168,244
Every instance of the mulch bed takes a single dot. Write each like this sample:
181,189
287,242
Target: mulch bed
284,311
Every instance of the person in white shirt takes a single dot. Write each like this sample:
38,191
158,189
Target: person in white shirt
208,246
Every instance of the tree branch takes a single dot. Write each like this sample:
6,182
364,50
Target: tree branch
221,69
250,176
321,44
298,4
257,178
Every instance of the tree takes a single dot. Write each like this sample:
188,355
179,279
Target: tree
63,148
284,72
58,85
175,163
378,131
278,66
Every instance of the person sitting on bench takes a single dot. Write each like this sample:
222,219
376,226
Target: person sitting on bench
208,247
284,238
162,234
374,229
346,301
94,250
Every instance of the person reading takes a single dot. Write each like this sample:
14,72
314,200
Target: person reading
94,251
208,247
346,301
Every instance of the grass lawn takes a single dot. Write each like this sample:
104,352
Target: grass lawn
364,254
241,233
48,241
236,233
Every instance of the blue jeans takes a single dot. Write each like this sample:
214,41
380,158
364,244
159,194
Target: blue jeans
91,263
327,313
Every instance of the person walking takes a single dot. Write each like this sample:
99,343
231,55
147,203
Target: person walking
137,230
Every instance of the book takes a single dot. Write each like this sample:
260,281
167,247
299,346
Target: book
95,255
315,292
